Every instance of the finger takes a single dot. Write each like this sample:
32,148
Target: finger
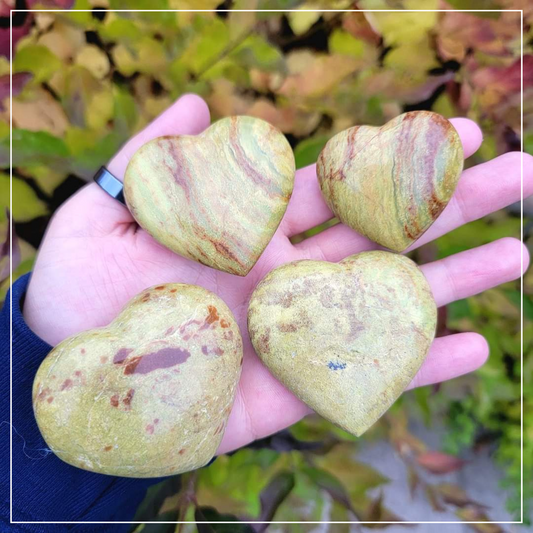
262,406
468,273
481,190
307,208
470,134
92,209
450,357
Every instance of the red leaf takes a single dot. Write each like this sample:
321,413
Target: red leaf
507,80
19,80
21,26
22,20
439,463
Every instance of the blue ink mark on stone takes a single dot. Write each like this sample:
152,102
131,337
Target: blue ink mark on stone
336,366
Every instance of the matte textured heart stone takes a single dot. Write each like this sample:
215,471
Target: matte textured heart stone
346,338
150,394
391,183
216,198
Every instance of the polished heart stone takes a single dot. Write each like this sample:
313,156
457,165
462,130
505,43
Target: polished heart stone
346,338
391,183
150,394
216,198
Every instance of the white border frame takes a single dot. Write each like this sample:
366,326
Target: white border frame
521,11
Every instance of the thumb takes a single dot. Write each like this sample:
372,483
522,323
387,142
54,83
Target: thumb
92,209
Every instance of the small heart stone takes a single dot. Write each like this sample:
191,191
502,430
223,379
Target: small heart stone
216,198
391,183
346,338
150,394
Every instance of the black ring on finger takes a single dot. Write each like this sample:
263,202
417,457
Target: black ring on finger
110,184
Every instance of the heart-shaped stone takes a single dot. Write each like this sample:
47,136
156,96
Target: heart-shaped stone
346,338
391,183
216,198
150,394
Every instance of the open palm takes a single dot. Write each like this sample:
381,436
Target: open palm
94,258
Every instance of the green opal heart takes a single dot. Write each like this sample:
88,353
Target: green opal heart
391,183
150,394
346,338
216,198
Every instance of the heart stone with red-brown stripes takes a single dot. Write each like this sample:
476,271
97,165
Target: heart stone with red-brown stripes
391,183
216,198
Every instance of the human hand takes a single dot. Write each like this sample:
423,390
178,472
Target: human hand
95,258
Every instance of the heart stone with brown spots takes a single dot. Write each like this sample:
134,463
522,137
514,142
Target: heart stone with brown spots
391,183
216,198
346,338
150,394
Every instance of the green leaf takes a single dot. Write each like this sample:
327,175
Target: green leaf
469,5
156,14
82,17
155,496
206,47
121,30
254,51
307,151
458,309
273,495
26,204
301,21
514,297
135,5
38,60
422,395
90,150
404,28
330,484
145,55
341,42
209,514
46,178
307,502
125,111
4,130
269,4
177,73
412,60
234,483
528,142
168,516
33,146
23,268
444,106
476,233
6,246
314,428
355,476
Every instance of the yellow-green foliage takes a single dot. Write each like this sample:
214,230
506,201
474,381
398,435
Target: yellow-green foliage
98,78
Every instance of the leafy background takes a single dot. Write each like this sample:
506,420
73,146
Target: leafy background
84,82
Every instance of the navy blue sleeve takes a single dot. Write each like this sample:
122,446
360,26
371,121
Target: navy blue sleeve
44,487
